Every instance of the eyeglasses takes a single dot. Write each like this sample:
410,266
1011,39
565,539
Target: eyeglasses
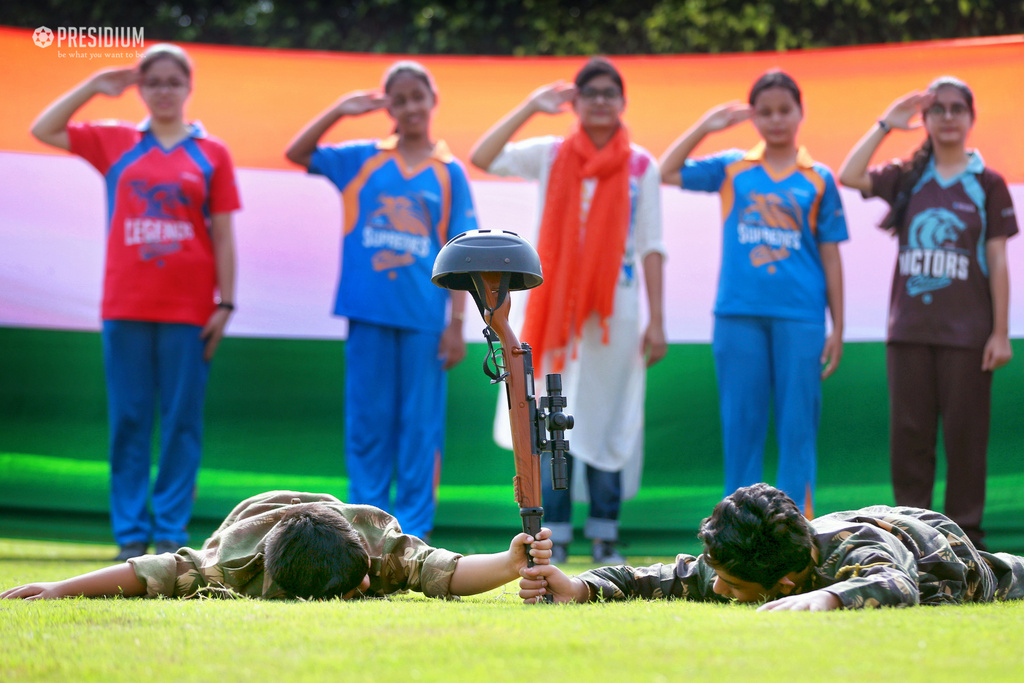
608,94
954,110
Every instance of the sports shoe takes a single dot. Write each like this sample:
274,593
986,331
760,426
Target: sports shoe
130,550
166,547
559,553
605,553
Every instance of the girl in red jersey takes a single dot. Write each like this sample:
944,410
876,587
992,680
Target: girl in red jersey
949,307
170,254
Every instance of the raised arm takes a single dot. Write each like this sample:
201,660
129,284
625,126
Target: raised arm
119,579
550,99
51,128
854,171
719,118
300,150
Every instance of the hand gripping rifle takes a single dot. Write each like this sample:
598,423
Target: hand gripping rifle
489,264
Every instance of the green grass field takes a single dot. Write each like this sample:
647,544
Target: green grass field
492,637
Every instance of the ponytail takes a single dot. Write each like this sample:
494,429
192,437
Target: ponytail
909,177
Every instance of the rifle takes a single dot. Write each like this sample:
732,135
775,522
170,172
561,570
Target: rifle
533,430
489,265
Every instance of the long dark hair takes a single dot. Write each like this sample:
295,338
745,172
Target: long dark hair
912,171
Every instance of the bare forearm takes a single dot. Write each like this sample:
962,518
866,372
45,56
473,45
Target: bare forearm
224,255
672,161
116,580
654,279
854,171
833,266
300,150
999,285
487,148
458,298
480,573
51,126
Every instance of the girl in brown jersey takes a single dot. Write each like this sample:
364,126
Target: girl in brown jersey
948,318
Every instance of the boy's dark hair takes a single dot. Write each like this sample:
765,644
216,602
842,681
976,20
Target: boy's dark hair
598,66
757,534
775,79
314,553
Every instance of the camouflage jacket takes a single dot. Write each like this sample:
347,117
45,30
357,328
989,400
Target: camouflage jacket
233,556
871,557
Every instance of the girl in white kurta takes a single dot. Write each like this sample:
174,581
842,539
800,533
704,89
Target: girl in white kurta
603,352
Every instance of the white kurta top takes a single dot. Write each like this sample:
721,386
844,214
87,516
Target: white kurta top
604,384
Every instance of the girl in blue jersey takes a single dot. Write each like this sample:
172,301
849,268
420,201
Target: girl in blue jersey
780,270
404,196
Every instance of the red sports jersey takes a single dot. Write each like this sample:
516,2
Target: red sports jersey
160,265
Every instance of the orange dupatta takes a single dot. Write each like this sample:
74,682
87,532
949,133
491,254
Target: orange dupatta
579,279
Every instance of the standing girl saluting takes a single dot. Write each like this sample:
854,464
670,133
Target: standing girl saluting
781,269
949,307
404,196
168,287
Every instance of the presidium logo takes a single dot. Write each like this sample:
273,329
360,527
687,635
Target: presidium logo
42,37
80,37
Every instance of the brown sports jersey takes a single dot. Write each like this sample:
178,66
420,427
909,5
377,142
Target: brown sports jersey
940,289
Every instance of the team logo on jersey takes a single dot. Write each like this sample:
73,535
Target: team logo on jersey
399,231
158,229
162,201
931,259
771,223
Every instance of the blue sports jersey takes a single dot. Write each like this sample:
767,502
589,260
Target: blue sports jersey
395,221
771,265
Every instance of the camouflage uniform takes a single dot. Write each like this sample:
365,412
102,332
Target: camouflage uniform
233,556
872,557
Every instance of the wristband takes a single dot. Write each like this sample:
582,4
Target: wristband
226,305
884,126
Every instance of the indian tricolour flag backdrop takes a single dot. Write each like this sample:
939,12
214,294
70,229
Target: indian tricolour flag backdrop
51,225
275,411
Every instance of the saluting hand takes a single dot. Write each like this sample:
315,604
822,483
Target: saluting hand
725,116
361,102
553,98
113,82
902,112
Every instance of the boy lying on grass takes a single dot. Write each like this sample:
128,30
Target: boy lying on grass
758,547
284,544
